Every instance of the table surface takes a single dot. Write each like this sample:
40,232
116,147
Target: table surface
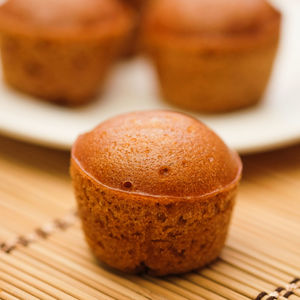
43,254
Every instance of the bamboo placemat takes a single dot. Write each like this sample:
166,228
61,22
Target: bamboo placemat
44,256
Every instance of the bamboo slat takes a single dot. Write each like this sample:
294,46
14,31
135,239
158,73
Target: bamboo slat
43,254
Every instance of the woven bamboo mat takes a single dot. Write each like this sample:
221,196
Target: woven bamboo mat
43,254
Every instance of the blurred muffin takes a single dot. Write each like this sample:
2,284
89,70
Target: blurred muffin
155,191
212,55
136,4
61,50
139,6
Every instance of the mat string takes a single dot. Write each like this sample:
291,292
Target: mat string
40,233
281,293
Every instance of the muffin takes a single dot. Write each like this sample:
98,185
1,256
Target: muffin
136,4
212,55
61,50
155,191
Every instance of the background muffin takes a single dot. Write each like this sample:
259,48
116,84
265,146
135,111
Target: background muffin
61,50
155,191
139,5
212,55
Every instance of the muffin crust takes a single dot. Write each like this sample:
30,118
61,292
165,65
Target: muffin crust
159,153
66,19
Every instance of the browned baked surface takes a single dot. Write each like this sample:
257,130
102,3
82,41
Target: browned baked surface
212,19
61,50
159,153
212,56
155,191
63,18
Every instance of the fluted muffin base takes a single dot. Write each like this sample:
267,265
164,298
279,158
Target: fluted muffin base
156,234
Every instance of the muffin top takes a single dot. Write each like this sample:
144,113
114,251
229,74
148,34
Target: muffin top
157,153
61,16
209,17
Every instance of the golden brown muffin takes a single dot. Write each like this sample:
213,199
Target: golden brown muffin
61,50
212,55
155,191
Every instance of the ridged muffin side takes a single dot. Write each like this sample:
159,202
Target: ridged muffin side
156,234
63,72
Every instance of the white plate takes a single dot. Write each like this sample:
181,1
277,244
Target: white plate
274,123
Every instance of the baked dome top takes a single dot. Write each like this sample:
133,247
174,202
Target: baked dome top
157,153
210,16
59,15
